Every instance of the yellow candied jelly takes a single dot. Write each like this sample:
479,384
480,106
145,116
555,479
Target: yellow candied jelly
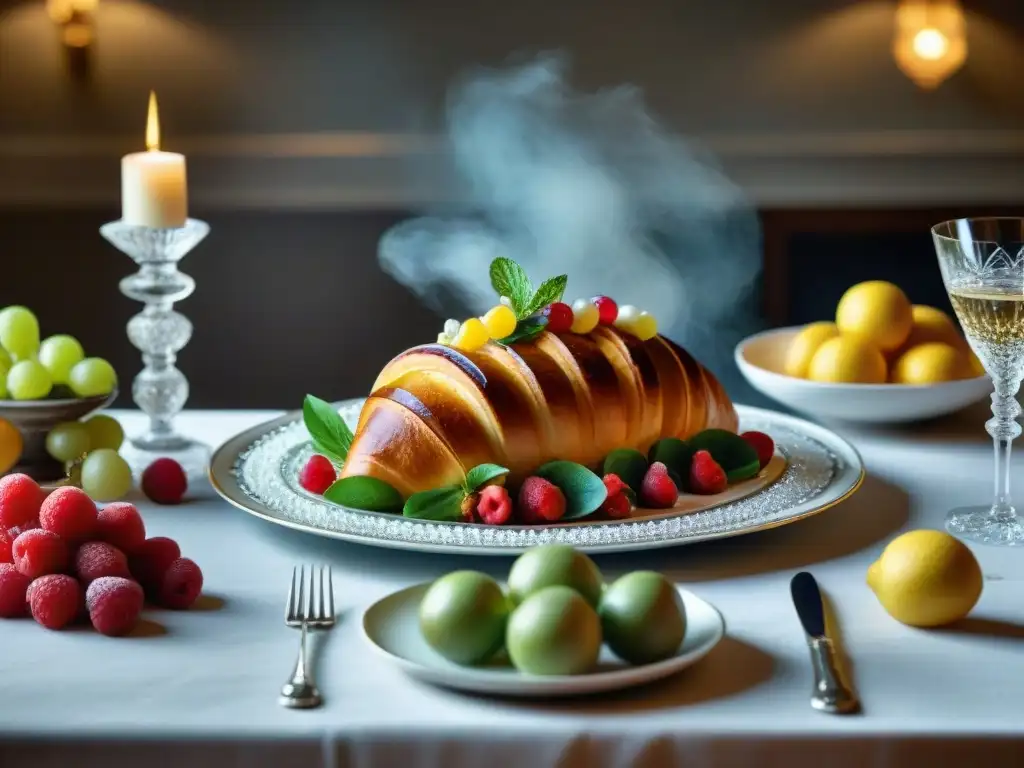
585,316
471,336
645,326
500,321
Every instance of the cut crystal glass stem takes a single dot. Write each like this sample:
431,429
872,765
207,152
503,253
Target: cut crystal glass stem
1003,428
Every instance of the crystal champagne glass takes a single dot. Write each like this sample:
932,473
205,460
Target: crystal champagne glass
982,264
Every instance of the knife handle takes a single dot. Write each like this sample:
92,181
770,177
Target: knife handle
830,693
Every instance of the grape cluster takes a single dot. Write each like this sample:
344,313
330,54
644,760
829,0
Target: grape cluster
30,370
89,450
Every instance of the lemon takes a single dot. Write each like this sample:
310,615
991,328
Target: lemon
878,311
974,364
848,359
803,346
931,363
926,579
11,445
932,324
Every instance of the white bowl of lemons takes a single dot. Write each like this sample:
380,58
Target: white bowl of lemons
883,360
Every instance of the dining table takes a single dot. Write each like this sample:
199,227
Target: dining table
200,687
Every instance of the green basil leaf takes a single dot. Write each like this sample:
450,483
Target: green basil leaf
629,465
331,435
443,504
550,291
525,330
731,451
745,472
364,492
483,473
584,491
510,279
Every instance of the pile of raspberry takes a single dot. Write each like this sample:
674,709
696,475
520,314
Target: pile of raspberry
62,560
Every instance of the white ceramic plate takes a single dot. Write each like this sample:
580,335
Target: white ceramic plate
257,471
391,626
761,361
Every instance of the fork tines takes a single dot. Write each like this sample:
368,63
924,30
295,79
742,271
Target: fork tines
311,603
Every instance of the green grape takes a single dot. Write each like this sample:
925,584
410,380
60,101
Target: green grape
28,380
5,360
5,367
92,376
68,441
59,354
105,475
104,431
19,331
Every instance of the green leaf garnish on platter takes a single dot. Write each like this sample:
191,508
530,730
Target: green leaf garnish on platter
442,504
628,464
329,432
483,473
735,455
550,291
510,279
675,454
525,330
584,491
364,492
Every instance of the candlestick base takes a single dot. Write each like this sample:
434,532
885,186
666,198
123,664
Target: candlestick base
192,455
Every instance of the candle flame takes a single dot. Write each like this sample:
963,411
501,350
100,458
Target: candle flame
152,125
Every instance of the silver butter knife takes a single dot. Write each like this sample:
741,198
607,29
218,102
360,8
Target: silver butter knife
830,694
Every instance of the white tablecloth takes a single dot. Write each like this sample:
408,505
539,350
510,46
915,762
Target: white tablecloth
200,687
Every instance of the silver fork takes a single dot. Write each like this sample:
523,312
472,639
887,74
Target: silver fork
305,611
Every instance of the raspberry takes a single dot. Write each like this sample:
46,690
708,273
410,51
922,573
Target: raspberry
559,317
38,553
617,506
151,559
613,484
607,309
495,506
114,605
20,499
658,491
69,513
13,586
97,559
164,481
540,501
318,474
761,443
121,524
6,541
180,585
17,530
706,475
54,600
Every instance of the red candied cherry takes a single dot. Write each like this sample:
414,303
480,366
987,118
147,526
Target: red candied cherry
761,443
13,586
318,474
607,309
69,513
38,553
114,605
559,315
181,585
658,490
495,505
20,499
164,481
706,475
151,559
121,524
54,600
6,541
540,501
97,559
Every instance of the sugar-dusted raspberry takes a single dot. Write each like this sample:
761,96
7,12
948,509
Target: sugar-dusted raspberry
607,309
38,553
17,530
181,585
658,490
164,481
318,474
121,524
151,559
617,506
54,600
706,475
6,542
20,499
613,484
540,501
560,317
13,586
70,513
114,605
495,505
96,559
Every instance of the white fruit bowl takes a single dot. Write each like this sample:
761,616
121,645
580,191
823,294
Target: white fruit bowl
761,359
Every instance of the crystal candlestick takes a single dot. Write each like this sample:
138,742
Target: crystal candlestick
160,389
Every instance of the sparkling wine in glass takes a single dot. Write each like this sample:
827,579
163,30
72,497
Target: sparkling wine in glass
982,264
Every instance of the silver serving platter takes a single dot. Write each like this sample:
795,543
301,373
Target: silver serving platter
257,471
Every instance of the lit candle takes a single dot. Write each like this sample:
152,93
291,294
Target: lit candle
153,188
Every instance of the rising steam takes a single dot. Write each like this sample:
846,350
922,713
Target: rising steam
592,186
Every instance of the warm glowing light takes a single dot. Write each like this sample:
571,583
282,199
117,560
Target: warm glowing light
930,43
64,11
152,125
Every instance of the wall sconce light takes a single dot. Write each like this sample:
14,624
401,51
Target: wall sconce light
76,19
931,40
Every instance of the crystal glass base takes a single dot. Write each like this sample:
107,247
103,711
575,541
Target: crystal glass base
193,456
979,524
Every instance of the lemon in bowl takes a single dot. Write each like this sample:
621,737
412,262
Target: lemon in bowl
803,346
877,311
848,360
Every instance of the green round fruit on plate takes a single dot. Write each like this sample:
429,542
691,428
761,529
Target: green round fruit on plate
59,354
551,565
68,441
642,617
554,632
104,431
91,377
28,380
463,616
19,331
106,476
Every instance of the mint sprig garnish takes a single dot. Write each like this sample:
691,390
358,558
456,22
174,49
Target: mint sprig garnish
509,279
550,291
525,330
482,474
445,504
329,432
